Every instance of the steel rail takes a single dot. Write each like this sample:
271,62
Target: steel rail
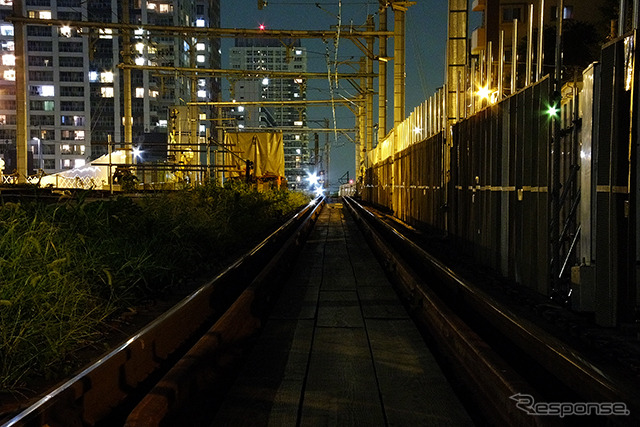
574,369
92,395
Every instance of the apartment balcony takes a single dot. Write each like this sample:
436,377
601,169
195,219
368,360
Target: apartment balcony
478,40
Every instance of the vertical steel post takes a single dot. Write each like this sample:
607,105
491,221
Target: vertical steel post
21,93
382,74
369,91
501,65
514,58
529,47
556,147
399,14
622,17
540,62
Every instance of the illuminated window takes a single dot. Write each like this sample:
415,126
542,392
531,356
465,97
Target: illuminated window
140,60
93,76
162,123
79,163
140,47
151,6
65,31
202,82
200,22
139,33
66,163
6,2
202,94
200,46
139,92
8,59
298,52
296,95
6,30
65,149
297,137
202,116
80,137
106,77
200,58
105,33
297,123
164,8
202,129
8,46
44,14
106,92
154,93
47,90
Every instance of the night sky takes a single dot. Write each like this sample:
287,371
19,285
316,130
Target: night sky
425,44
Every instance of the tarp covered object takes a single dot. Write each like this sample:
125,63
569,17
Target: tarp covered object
264,149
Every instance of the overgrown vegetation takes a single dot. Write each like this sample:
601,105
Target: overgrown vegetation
67,268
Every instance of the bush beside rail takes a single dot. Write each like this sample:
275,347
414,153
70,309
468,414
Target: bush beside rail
67,268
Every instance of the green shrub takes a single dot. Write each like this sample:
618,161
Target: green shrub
66,268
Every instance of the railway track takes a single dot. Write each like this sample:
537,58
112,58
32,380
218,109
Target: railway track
215,322
509,365
496,352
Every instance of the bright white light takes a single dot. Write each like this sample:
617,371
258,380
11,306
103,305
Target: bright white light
297,123
483,92
265,81
140,60
417,130
140,47
312,178
9,59
65,31
137,152
79,163
105,33
240,126
298,151
200,46
93,76
202,94
200,58
240,109
47,90
319,191
298,52
106,77
200,22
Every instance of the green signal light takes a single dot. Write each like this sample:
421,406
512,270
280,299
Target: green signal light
552,111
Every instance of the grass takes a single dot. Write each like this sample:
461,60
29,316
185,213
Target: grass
65,269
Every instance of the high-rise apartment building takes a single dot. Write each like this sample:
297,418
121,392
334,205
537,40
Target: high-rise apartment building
274,55
75,88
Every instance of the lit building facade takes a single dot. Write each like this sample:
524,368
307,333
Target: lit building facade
274,55
75,89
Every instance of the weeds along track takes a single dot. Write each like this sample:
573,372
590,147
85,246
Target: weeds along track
215,322
505,360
